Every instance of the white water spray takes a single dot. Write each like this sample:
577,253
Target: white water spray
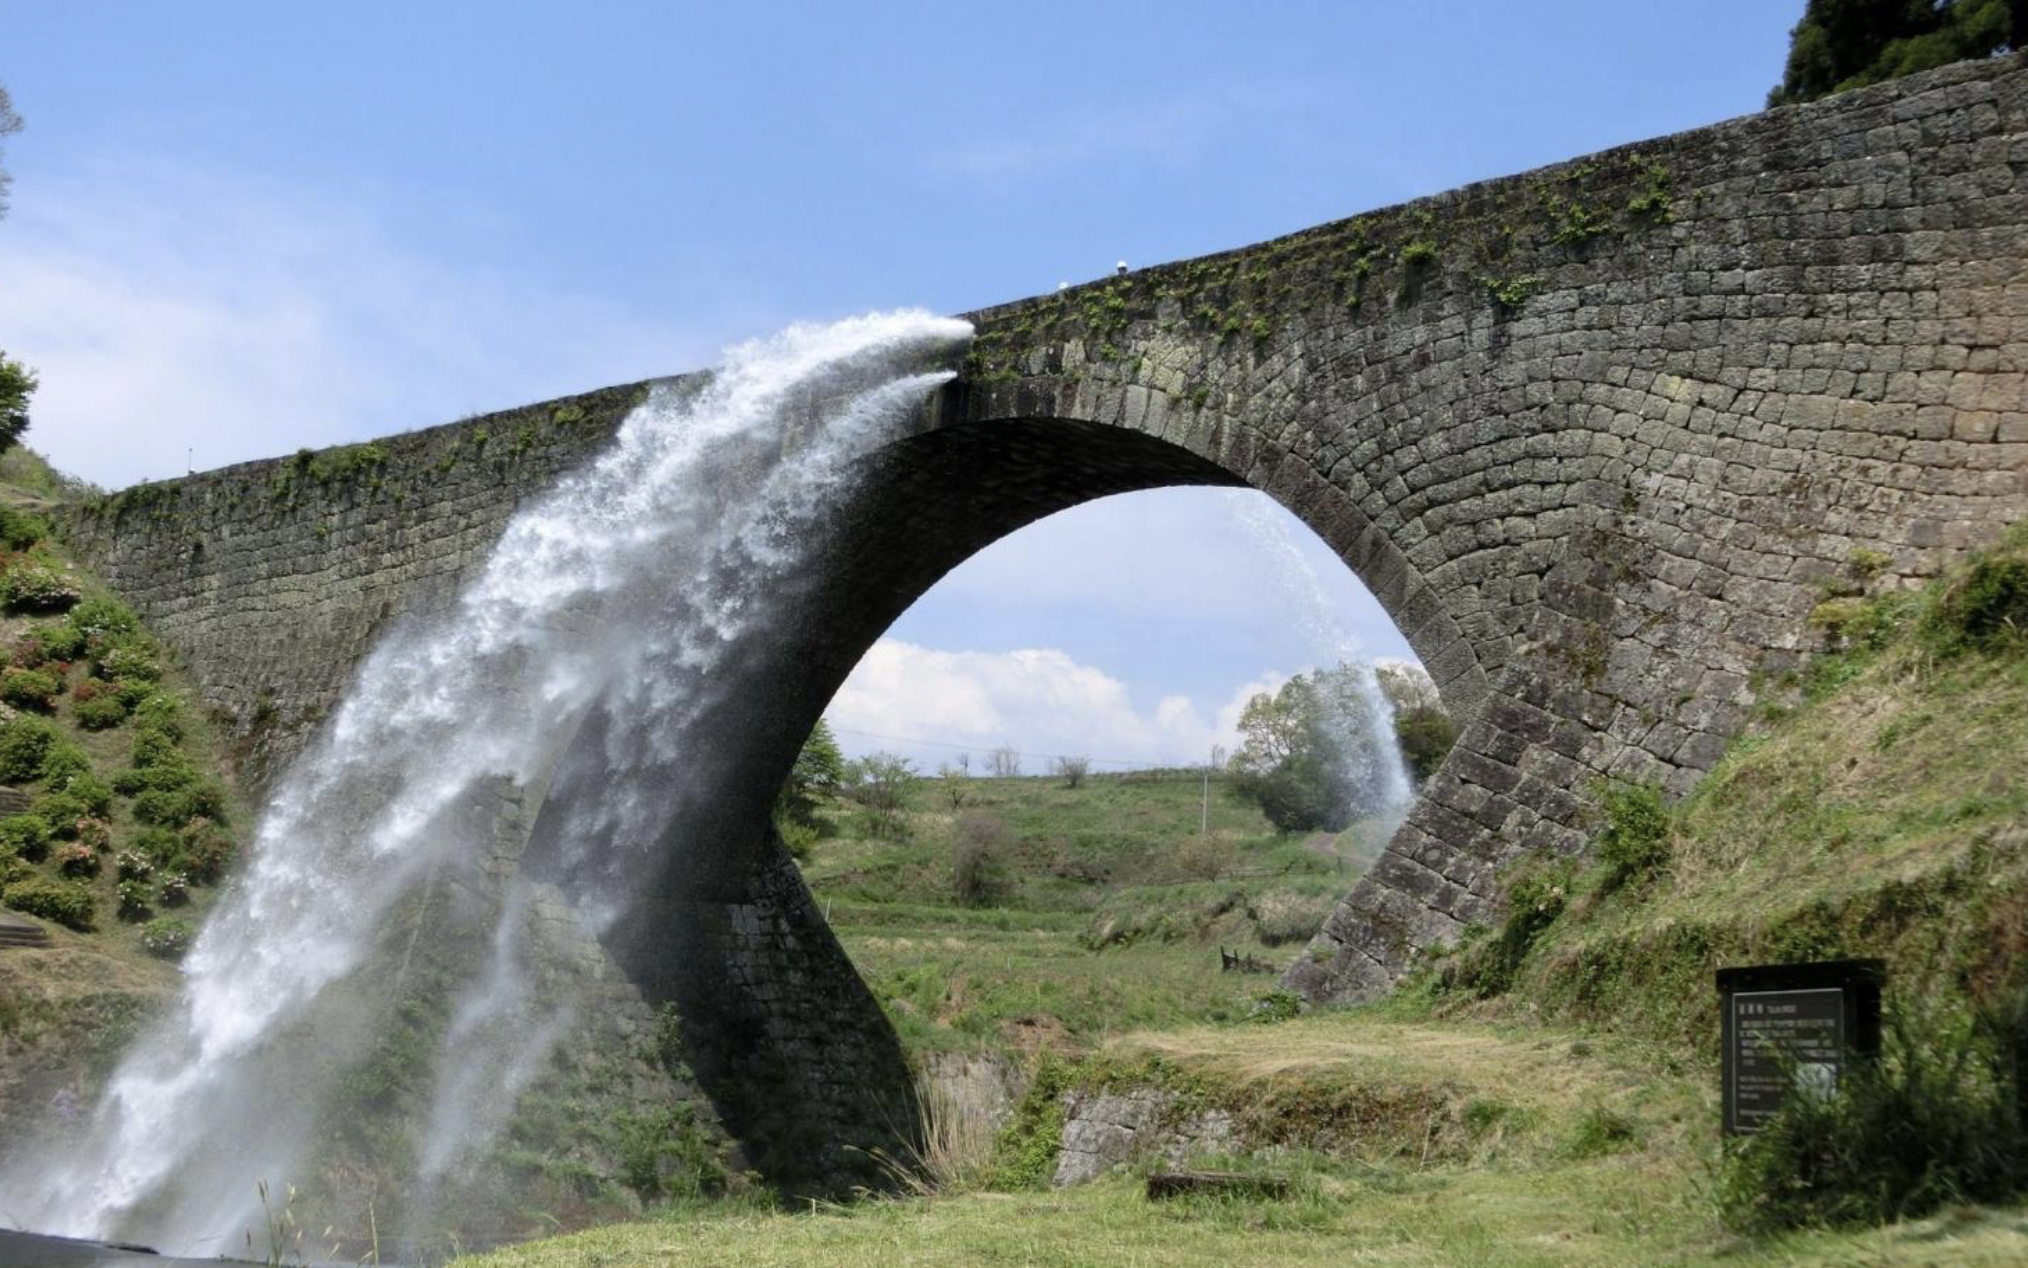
1372,756
616,588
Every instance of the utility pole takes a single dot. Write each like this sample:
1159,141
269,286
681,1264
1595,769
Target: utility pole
1204,814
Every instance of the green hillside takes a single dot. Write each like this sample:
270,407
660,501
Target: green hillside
1093,909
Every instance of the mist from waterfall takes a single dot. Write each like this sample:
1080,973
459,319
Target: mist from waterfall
1367,747
613,597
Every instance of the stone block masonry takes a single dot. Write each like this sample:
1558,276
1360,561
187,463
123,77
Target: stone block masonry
1597,436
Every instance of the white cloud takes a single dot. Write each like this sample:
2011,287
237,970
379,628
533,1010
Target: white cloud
930,705
169,312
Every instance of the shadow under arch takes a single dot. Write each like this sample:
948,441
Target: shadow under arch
777,1027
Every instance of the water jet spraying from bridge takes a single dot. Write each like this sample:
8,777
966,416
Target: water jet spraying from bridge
613,597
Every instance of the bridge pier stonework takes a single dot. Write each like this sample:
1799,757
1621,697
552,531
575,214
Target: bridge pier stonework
1598,437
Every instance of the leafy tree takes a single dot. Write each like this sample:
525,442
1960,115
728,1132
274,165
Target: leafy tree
1841,44
1426,734
10,123
818,774
1308,755
17,384
882,783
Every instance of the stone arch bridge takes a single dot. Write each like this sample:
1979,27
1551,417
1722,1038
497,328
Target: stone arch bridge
1597,436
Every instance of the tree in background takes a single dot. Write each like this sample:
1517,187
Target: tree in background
17,384
1841,44
10,123
1426,733
881,783
1308,755
1003,762
1072,770
816,777
1422,725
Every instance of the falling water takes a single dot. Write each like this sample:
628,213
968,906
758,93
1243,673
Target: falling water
614,597
1371,754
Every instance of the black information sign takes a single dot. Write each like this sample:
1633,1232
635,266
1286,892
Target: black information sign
1791,1028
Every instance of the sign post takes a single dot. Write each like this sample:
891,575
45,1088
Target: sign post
1790,1028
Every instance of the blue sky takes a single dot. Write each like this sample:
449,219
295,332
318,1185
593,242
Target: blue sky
242,228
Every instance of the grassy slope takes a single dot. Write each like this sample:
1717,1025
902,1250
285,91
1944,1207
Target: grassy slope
1116,861
1886,816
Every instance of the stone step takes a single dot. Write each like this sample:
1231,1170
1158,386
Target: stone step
18,931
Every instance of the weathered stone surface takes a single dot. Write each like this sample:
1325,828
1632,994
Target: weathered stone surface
1103,1130
1595,435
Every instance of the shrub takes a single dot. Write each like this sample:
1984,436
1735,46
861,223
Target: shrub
77,859
1939,1118
1635,843
797,837
24,742
155,747
24,835
175,808
128,661
1984,606
175,889
208,852
29,688
979,846
59,642
160,714
159,846
63,762
95,834
166,936
134,898
1270,1007
100,714
103,617
69,905
19,529
28,652
36,587
1536,895
91,792
134,865
61,813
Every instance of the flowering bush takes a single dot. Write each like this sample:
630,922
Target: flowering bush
175,889
166,936
77,859
29,688
94,834
37,587
134,897
134,865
